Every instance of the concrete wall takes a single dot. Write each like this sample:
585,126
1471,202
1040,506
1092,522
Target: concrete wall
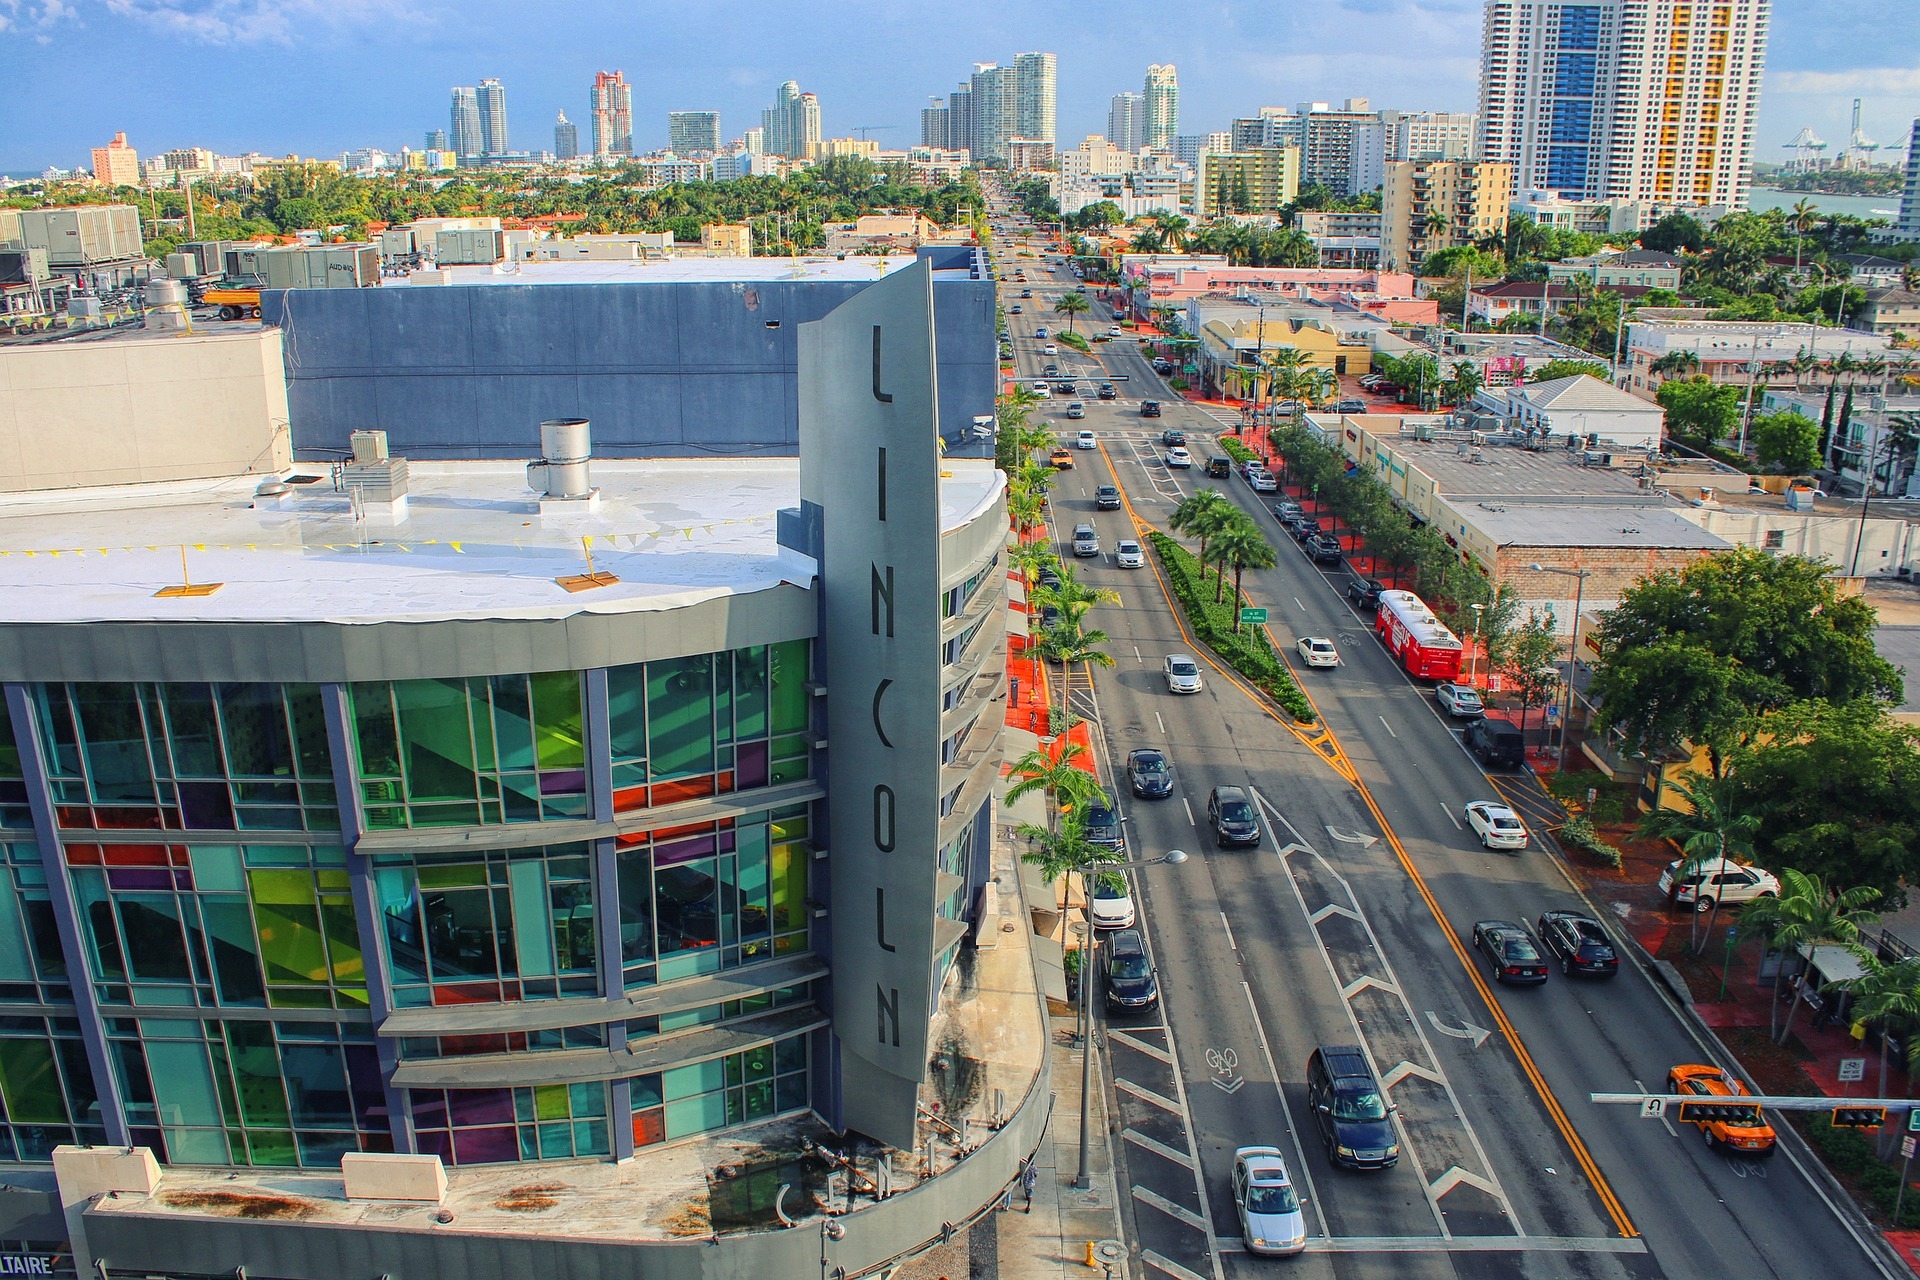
1887,546
124,410
1613,570
664,369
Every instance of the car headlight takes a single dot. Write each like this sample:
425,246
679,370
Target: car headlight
1393,1149
1259,1243
1348,1152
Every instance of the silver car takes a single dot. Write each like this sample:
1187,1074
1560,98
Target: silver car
1183,673
1271,1220
1460,700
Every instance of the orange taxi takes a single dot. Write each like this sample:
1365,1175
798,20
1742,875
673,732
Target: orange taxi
1726,1123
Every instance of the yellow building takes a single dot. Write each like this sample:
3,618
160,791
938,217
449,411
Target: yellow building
116,164
1430,205
727,240
867,147
1236,356
1260,180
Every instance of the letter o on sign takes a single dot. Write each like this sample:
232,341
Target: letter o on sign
883,818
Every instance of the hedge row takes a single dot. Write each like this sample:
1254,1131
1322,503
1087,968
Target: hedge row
1850,1153
1248,652
1072,339
1237,451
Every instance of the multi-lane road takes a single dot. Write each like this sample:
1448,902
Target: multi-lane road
1351,923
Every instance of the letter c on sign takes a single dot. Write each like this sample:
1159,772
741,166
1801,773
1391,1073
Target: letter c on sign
883,832
879,692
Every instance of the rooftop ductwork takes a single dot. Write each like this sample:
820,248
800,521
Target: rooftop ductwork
563,473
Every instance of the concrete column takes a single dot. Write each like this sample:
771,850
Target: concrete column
46,830
366,906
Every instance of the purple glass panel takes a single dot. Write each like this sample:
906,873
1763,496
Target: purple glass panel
675,851
485,1146
206,805
563,782
183,879
429,1108
123,878
480,1106
435,1142
363,1079
750,765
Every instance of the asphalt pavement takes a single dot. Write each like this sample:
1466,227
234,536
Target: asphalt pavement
1351,923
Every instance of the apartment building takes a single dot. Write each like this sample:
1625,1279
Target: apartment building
1429,205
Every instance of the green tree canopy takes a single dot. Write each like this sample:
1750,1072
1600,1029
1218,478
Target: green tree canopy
1786,441
1699,411
1568,368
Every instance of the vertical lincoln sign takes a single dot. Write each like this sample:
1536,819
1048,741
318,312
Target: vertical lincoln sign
869,460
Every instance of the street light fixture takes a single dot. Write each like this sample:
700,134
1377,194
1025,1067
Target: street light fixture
1573,645
1171,858
1473,656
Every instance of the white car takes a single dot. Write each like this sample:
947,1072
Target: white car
1497,826
1043,390
1318,651
1183,674
1084,440
1271,1221
1112,904
1263,481
1460,700
1723,881
1114,331
1129,556
1049,350
1179,458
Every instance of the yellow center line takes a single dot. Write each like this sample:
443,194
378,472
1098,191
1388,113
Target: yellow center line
1325,744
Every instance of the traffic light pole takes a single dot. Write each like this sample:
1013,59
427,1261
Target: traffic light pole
1847,1113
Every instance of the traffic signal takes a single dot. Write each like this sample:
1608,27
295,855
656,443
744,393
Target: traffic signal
1740,1113
1859,1117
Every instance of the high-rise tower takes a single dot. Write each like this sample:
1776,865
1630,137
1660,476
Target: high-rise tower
1163,105
566,138
465,121
1033,92
1127,121
692,131
611,99
492,102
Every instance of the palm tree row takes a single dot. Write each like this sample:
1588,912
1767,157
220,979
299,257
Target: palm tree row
1227,536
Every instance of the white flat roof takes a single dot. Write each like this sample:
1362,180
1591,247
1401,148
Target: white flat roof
671,271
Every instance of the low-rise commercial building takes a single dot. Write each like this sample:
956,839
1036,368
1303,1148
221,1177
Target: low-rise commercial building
1863,449
1636,268
1888,311
1585,409
1160,280
1237,340
1497,302
1505,358
1741,351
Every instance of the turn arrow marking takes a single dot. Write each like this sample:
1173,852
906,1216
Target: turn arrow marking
1353,837
1465,1031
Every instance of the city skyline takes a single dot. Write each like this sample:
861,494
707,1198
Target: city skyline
1404,54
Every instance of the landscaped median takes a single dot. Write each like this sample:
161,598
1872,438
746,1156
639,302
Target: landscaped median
1237,451
1249,652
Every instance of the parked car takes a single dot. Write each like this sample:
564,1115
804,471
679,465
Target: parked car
1106,391
1182,672
1106,498
1102,827
1112,904
1163,366
1173,435
1497,826
1232,817
1287,509
1723,881
1148,775
1496,743
1353,1117
1129,974
1263,481
1149,408
1128,555
1460,699
1049,576
1179,459
1350,406
1729,1124
1365,592
1580,943
1318,651
1510,951
1264,1199
1305,527
1078,410
1325,549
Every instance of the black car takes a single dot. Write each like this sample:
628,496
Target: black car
1324,548
1163,366
1106,391
1232,817
1149,408
1582,945
1064,386
1510,951
1049,617
1365,592
1304,527
1498,744
1129,974
1106,498
1354,1118
1173,436
1148,775
1103,828
1049,576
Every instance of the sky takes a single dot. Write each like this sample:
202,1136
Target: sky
322,76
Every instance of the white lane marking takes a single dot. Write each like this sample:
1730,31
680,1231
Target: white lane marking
1286,1114
1168,1265
1163,733
1141,1046
1478,1244
1231,944
1146,1095
1296,604
1169,1208
1387,727
1189,809
1159,1148
1447,809
1671,1131
1136,654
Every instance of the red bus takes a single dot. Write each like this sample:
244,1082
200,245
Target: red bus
1420,641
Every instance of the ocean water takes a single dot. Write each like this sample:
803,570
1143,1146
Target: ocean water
1888,207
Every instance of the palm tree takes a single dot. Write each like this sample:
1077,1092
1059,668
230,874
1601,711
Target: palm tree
1060,779
1030,558
1073,597
1026,508
1900,442
1435,223
1244,547
1807,915
1057,852
1202,515
1710,830
1675,364
1323,385
1282,363
1801,219
1465,381
1803,363
1888,995
1071,305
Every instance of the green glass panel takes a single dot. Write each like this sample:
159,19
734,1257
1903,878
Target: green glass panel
750,692
272,1148
236,962
281,886
223,1079
512,722
337,922
789,880
451,875
192,730
550,1102
627,712
558,725
30,1084
312,758
256,1073
253,719
787,771
436,740
291,944
788,662
217,869
298,998
373,730
680,717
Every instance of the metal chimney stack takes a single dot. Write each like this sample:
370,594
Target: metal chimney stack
563,473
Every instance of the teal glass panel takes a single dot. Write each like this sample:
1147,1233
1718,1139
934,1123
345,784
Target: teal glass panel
696,1114
192,730
751,693
116,743
156,947
533,943
183,1090
16,957
236,961
512,722
684,1082
253,721
627,712
680,717
218,869
312,757
437,739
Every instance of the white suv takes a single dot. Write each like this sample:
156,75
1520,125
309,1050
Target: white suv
1722,880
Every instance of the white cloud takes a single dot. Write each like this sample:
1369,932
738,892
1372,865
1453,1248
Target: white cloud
1858,80
213,21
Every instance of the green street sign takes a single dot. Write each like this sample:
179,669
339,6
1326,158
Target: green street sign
1913,1120
1252,615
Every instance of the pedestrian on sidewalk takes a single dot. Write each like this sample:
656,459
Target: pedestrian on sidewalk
1029,1179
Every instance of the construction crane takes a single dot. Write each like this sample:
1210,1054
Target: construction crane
1806,150
864,129
1860,148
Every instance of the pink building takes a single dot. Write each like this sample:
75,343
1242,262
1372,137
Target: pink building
1167,280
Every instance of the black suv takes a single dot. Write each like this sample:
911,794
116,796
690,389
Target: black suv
1324,548
1149,408
1304,527
1106,498
1365,592
1129,974
1232,817
1582,945
1103,828
1173,436
1354,1119
1498,744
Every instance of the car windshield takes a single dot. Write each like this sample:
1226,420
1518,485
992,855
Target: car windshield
1236,811
1359,1105
1272,1200
1128,966
1519,950
1109,890
1181,667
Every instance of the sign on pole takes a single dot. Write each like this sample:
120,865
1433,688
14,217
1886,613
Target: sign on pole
1853,1070
1253,615
1654,1108
1906,1147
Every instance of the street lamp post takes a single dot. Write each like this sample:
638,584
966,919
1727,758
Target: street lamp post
1172,858
1573,645
1473,658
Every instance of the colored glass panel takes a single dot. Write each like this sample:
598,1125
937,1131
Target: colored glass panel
492,1126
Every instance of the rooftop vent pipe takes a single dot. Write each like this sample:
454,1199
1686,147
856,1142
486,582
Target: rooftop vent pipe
566,454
